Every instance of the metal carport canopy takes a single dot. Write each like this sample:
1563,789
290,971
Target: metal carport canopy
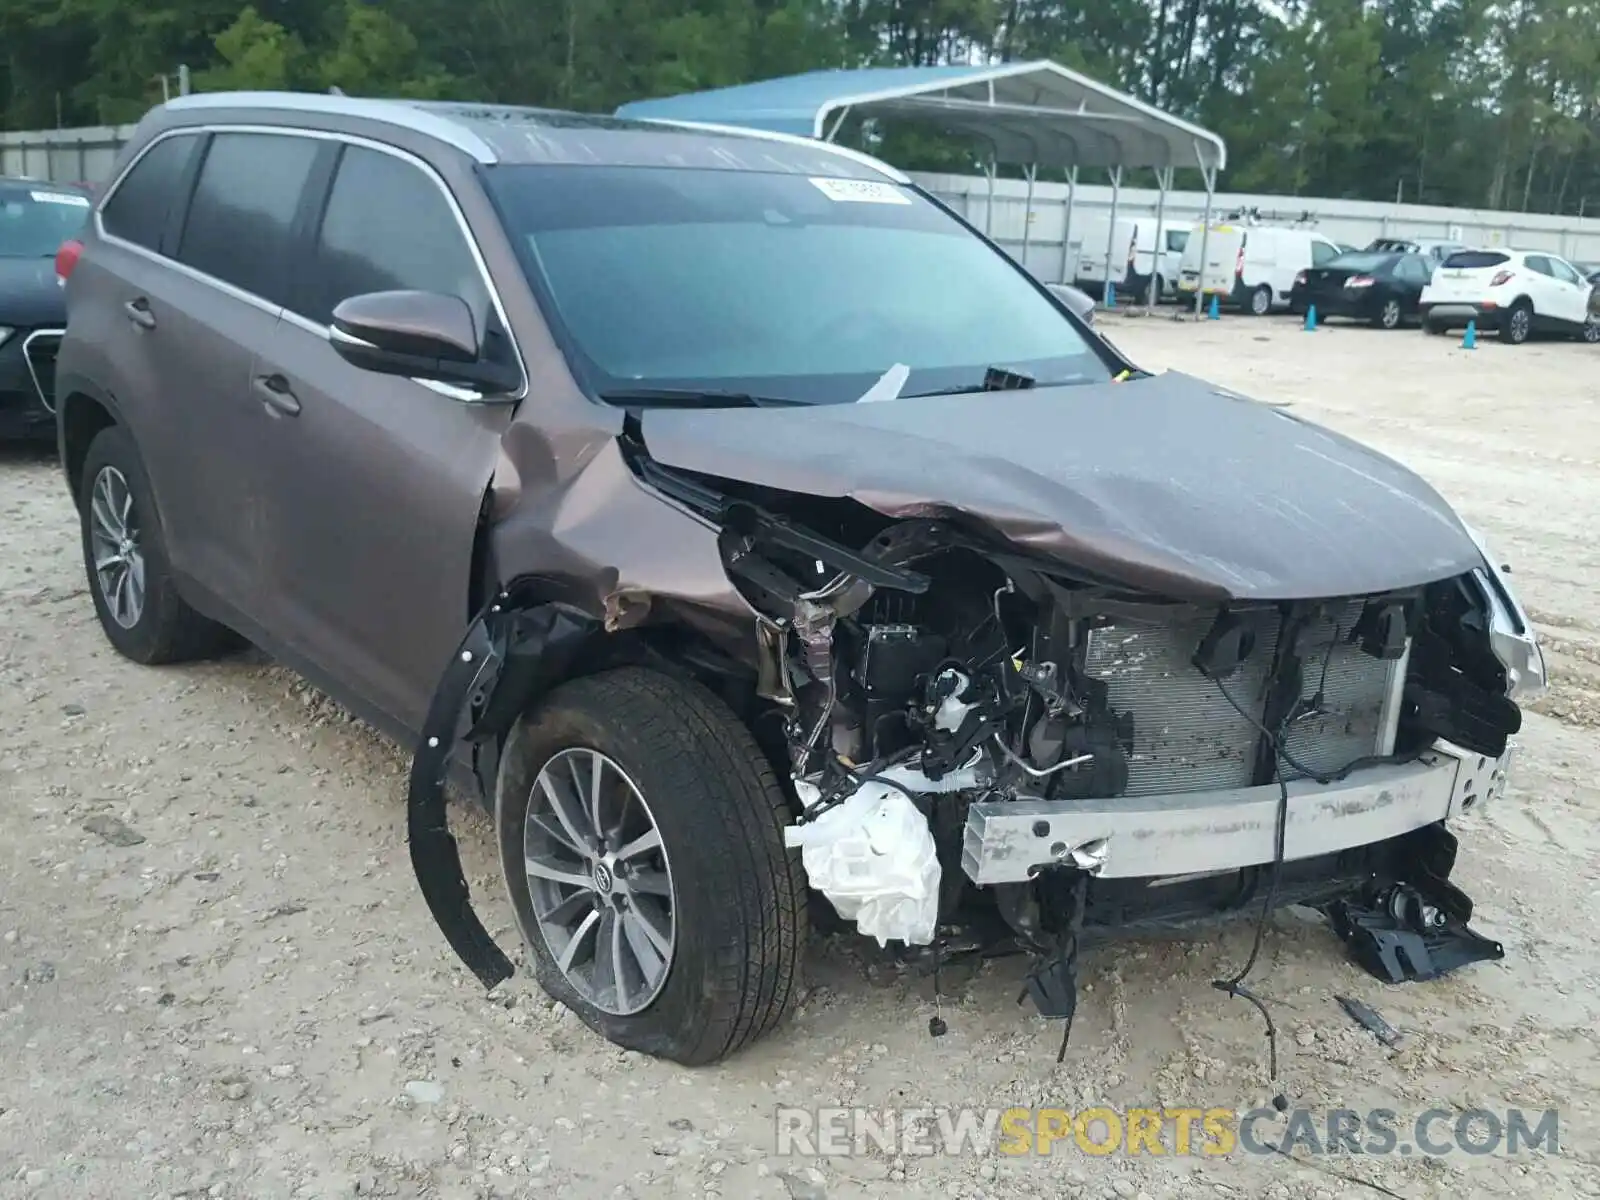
1034,115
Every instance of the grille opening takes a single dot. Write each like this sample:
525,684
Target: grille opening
40,349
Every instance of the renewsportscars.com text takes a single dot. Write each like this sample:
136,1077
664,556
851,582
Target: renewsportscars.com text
1165,1131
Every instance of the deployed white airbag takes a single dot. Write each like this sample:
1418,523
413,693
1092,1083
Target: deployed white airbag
873,857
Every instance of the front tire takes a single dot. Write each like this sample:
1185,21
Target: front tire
682,890
125,560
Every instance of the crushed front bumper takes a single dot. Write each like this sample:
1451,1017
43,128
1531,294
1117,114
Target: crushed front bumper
1205,832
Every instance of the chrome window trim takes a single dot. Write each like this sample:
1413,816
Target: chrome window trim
282,311
33,372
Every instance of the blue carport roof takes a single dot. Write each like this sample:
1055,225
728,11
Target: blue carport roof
1038,113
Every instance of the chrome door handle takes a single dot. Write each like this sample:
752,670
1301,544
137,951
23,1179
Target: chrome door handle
273,391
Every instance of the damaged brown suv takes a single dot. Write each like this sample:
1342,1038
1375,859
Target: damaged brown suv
758,542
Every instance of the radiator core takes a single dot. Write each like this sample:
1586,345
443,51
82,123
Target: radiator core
1191,737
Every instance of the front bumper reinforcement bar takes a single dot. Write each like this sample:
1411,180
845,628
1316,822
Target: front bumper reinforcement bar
1134,837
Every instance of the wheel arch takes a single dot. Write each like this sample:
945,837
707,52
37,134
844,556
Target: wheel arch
81,413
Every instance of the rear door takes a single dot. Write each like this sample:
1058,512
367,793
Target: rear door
1542,286
1570,296
1410,275
375,482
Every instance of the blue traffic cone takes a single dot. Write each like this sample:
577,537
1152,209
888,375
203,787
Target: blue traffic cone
1469,340
1215,312
1311,318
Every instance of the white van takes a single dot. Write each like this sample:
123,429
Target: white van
1252,266
1133,256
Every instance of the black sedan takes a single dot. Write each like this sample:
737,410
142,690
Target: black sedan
1379,286
35,219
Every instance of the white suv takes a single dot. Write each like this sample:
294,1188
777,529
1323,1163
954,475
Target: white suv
1518,292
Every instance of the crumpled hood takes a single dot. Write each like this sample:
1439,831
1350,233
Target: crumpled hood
1168,483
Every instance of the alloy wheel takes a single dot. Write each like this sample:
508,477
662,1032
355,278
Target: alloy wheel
1390,317
1521,323
600,881
114,541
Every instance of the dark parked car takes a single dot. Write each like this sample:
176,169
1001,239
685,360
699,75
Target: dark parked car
1377,286
35,220
654,481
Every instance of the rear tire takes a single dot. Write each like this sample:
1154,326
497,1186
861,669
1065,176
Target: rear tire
1260,302
1389,316
134,592
1518,323
735,899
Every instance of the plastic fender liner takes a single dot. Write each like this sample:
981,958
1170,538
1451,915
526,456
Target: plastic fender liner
508,658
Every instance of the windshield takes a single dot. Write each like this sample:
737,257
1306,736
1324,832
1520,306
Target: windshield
35,221
776,285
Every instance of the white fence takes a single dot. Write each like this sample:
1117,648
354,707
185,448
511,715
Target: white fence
1052,251
1040,227
82,155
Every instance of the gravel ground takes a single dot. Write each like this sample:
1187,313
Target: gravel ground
217,977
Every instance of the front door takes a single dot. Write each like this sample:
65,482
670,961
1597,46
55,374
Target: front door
374,482
230,283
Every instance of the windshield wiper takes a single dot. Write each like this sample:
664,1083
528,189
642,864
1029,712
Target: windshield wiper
695,398
998,379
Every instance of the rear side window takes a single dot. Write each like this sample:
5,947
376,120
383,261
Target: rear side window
241,219
1323,253
1473,260
138,210
388,227
1415,268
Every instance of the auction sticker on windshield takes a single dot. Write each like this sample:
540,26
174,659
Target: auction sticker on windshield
60,198
860,191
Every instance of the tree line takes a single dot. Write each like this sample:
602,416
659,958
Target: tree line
1483,103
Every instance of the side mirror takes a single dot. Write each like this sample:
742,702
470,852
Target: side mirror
420,335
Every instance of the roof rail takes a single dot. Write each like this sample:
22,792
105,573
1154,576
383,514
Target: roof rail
400,113
789,139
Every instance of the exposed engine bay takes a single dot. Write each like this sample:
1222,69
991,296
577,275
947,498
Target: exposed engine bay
992,751
953,710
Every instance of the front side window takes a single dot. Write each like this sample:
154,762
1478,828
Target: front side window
138,209
388,227
1177,239
36,219
776,284
240,223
